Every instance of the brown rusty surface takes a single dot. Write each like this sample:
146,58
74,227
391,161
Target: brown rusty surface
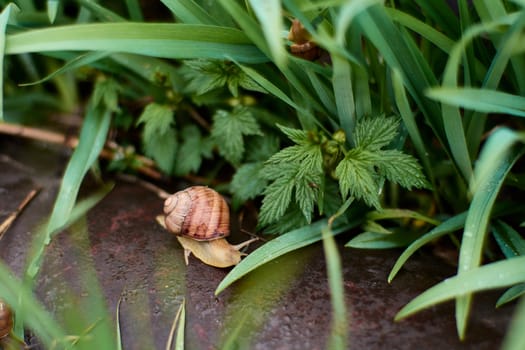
283,305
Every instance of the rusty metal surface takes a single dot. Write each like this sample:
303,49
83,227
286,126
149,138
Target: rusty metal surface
283,305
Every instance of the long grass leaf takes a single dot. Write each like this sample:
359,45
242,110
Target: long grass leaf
270,17
188,11
495,275
52,9
482,100
338,338
75,63
281,245
151,39
488,179
514,339
409,120
92,139
27,308
4,19
425,30
344,95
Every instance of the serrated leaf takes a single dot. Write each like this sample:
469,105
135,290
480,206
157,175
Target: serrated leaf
400,168
106,93
207,75
191,150
357,178
159,138
228,130
277,198
247,183
296,135
306,193
374,133
260,148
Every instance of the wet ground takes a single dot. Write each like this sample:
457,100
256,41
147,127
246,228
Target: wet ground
283,305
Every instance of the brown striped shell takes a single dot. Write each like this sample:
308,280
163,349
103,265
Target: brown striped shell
197,212
6,320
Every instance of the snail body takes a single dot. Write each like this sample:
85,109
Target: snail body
200,218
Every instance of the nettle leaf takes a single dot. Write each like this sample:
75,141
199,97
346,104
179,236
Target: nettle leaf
228,131
277,198
159,139
106,93
193,148
248,183
207,75
374,133
400,168
260,148
357,178
295,171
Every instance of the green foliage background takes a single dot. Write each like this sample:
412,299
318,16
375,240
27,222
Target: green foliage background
401,96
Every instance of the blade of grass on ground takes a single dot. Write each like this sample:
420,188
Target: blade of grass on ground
488,179
188,11
4,19
492,276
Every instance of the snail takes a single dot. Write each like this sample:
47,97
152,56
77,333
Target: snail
302,45
6,320
200,218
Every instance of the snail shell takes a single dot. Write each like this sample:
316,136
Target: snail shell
6,320
199,213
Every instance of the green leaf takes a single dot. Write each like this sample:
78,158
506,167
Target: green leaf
495,275
376,240
277,198
167,40
191,151
488,179
188,11
482,100
511,294
270,17
247,183
357,178
229,129
281,245
374,133
400,168
207,75
510,241
7,12
106,94
514,338
159,138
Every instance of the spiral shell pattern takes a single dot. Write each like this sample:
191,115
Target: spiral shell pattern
197,212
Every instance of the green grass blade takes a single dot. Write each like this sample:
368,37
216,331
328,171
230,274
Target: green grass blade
426,31
4,19
73,64
482,100
511,294
117,325
514,339
488,179
344,95
510,241
399,52
134,10
101,12
188,11
453,224
270,17
409,120
92,139
177,329
27,308
249,26
52,9
151,39
495,275
281,245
